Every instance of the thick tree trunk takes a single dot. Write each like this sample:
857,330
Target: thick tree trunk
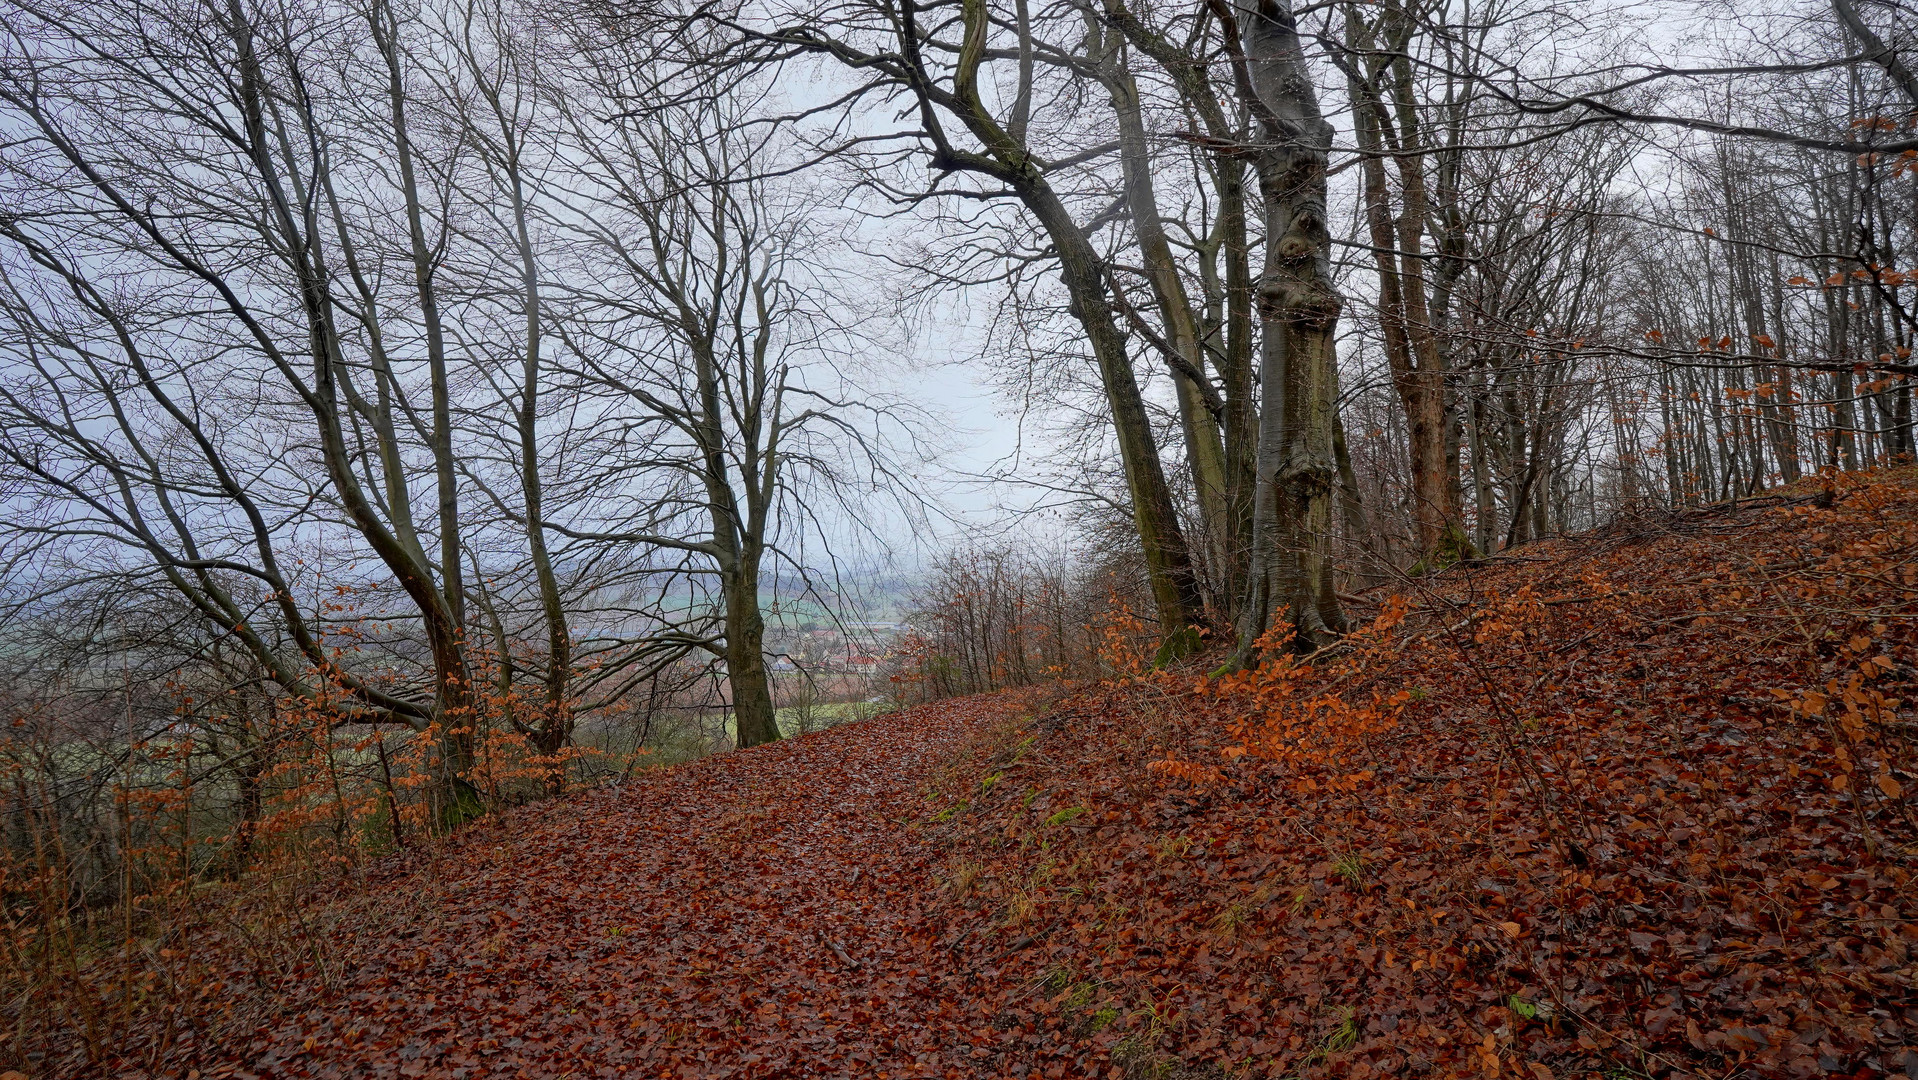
754,720
1298,310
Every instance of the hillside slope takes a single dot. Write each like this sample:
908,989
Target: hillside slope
1635,803
748,914
1629,804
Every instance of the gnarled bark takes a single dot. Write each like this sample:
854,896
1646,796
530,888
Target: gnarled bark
1290,575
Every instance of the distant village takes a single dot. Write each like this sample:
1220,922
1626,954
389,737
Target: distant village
852,648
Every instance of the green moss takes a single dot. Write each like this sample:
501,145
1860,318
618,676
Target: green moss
1177,646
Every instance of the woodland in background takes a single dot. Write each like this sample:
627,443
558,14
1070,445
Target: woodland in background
1543,296
1560,292
413,410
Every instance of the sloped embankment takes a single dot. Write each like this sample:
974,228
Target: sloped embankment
1631,804
1635,803
756,914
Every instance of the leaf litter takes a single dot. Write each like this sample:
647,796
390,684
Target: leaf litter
1637,804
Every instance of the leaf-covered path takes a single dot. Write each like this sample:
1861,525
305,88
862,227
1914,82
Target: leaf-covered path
751,914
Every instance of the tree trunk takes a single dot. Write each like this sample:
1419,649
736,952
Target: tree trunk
1205,451
1298,311
456,801
1227,323
556,727
754,719
1167,557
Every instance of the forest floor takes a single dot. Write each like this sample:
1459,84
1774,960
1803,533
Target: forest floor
1637,803
766,913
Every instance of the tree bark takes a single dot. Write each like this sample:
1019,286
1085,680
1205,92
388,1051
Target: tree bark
1298,309
1197,399
1168,559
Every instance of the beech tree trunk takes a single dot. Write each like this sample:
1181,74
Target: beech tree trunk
1168,559
1198,400
1406,319
1290,574
739,530
1225,327
755,722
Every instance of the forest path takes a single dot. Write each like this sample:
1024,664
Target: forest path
754,914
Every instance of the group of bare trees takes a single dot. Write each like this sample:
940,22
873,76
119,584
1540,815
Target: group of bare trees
1055,119
991,617
1662,294
452,372
464,368
1380,286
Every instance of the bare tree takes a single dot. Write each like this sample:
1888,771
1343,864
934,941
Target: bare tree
1298,311
1003,146
708,319
144,172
